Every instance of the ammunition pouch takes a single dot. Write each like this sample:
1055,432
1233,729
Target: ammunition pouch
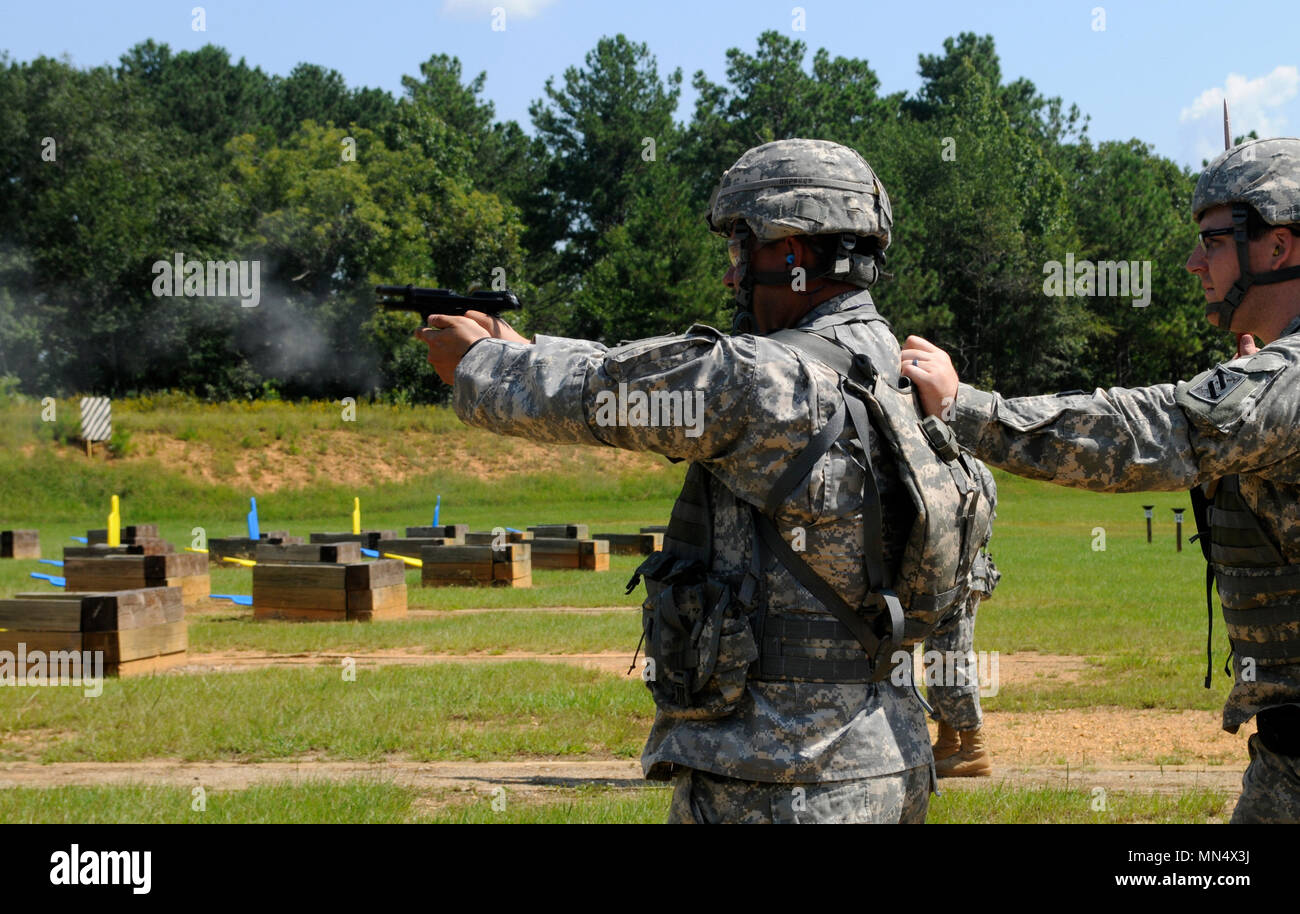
698,639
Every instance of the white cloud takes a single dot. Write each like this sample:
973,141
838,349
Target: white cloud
1250,101
471,9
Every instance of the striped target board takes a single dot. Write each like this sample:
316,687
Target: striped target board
96,419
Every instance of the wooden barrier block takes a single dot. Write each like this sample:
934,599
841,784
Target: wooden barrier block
299,615
444,575
554,552
130,532
411,546
92,612
194,587
381,603
138,643
20,544
456,555
148,665
289,576
367,538
632,543
174,565
241,547
655,528
564,531
95,552
39,641
316,553
46,615
512,571
487,539
376,574
595,562
443,531
334,599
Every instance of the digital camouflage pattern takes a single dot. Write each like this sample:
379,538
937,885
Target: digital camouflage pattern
1270,788
1262,173
957,703
1239,418
701,799
762,405
802,187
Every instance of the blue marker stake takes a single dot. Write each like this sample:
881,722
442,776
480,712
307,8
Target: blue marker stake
369,552
55,562
437,509
253,531
80,539
53,579
234,598
513,530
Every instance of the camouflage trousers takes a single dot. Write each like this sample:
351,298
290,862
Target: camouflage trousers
957,703
1270,788
700,798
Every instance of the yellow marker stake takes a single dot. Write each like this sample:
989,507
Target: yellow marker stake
356,515
414,563
247,563
115,523
192,549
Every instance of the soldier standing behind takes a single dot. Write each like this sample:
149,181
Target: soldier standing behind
961,750
818,531
1231,433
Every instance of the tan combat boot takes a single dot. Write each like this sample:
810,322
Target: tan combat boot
947,744
972,761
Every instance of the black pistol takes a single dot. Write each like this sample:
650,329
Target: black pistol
423,302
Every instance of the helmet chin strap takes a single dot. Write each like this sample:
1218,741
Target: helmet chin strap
744,320
1230,302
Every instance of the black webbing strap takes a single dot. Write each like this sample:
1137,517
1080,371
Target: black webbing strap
873,521
690,527
1209,623
787,654
1201,514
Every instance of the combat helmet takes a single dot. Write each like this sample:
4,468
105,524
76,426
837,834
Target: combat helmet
803,187
1264,174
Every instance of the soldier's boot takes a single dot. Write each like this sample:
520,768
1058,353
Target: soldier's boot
971,761
948,742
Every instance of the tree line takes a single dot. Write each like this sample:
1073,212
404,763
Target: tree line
595,218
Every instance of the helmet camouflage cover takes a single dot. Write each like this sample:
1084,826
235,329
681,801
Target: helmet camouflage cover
802,187
1262,173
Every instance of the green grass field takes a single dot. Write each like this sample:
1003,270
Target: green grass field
1133,611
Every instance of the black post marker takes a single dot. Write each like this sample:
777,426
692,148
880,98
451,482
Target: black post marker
1178,526
1149,511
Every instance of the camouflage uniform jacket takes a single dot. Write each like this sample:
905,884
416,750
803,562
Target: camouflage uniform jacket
1146,439
762,403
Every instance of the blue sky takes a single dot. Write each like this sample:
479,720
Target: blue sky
1156,70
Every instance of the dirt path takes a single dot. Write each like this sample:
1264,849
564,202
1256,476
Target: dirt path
226,661
1014,669
575,610
1116,748
537,776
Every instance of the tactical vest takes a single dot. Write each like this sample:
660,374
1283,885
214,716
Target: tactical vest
1259,591
706,637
